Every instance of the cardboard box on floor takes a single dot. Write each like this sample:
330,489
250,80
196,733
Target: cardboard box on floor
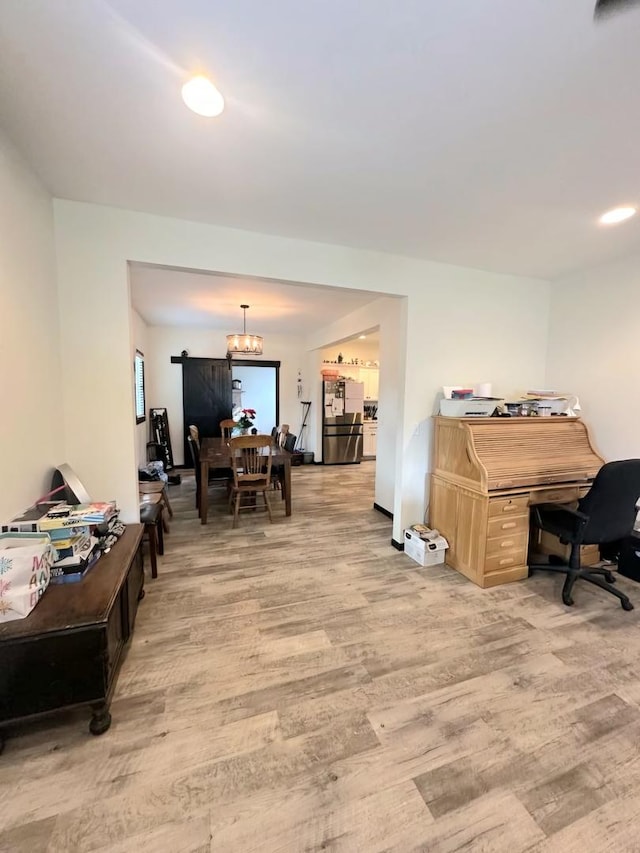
424,552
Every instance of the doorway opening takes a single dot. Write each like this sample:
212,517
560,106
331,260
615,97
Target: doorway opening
256,385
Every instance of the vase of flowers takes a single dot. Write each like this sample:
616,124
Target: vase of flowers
245,421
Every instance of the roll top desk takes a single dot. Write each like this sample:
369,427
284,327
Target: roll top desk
488,472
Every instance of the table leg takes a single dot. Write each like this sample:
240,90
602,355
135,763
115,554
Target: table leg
204,491
287,487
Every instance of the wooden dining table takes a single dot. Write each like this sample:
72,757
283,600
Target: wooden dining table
216,453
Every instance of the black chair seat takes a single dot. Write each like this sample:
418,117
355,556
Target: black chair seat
150,513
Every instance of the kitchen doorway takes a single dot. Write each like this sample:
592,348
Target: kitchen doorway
256,385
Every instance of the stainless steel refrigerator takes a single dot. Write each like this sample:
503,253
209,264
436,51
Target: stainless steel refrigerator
342,411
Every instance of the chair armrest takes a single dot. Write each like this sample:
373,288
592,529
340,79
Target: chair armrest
562,520
563,508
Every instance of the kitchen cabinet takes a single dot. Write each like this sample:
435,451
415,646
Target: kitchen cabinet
370,377
369,438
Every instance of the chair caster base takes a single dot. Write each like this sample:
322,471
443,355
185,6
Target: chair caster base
567,600
626,605
100,721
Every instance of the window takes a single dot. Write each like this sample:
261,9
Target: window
138,374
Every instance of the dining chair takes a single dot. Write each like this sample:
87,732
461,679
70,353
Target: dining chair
217,476
251,457
226,428
194,432
277,471
157,487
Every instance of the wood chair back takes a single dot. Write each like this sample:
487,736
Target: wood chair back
194,447
226,428
251,455
194,434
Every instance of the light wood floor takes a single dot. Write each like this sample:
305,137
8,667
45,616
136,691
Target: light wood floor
302,686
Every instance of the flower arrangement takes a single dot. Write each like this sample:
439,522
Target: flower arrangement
247,416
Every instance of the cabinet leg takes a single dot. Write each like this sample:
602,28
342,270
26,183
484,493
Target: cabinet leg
100,720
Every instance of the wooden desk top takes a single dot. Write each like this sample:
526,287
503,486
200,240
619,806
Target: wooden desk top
488,454
74,605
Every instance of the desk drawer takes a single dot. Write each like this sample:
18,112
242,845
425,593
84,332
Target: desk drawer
500,562
507,525
517,505
561,495
507,544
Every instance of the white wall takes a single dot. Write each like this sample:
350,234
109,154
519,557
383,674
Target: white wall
31,442
164,386
362,351
459,323
140,342
594,352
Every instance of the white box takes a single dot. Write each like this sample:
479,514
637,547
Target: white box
424,552
469,408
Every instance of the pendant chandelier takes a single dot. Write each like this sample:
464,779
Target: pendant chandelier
243,343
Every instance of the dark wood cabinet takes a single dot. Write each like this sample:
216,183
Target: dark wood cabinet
68,650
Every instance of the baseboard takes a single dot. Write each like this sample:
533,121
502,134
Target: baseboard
399,546
383,510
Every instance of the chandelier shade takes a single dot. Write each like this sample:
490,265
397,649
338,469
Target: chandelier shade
242,343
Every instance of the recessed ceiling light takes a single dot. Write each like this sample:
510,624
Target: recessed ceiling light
362,337
618,214
201,96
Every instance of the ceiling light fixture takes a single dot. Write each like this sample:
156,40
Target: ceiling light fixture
201,96
618,214
362,337
242,343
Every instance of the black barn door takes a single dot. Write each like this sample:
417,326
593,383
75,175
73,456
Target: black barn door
206,396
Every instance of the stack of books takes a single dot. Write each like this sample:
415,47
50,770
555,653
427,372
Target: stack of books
78,533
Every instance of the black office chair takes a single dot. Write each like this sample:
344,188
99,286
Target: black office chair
605,514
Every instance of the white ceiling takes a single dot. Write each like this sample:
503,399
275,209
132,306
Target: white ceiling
170,297
488,133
